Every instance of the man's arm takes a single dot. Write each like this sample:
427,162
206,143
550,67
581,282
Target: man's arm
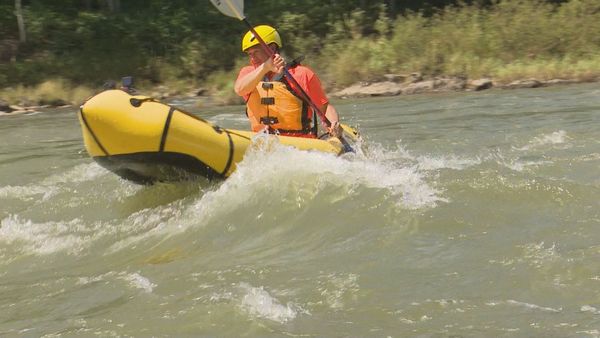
330,113
246,84
333,117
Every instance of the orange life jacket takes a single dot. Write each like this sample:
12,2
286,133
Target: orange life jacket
272,104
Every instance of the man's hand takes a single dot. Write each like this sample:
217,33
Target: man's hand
335,129
275,64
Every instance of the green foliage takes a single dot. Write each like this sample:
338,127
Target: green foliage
8,28
515,37
221,83
185,41
297,35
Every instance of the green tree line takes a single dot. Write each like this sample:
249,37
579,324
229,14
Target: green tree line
85,40
158,41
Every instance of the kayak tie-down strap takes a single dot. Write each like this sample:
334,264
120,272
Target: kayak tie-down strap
163,138
89,129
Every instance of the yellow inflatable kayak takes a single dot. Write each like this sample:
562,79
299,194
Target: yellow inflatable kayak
143,140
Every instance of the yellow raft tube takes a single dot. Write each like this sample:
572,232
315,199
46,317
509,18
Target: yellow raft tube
143,140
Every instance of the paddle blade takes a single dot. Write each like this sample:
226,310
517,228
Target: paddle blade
232,8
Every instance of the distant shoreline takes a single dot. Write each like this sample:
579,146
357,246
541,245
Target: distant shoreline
392,85
395,85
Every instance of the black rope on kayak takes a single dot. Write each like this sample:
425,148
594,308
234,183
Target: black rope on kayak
87,126
231,150
163,139
230,132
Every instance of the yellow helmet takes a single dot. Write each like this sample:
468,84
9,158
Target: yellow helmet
267,33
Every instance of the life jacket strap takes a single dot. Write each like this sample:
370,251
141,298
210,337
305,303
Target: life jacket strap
267,101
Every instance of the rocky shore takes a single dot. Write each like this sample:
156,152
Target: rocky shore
394,84
200,95
389,85
12,109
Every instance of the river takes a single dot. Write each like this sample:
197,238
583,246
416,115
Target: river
465,215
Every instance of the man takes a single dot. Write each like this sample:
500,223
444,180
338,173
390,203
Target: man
272,101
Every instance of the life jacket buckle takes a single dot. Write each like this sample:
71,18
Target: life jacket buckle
267,101
267,85
269,120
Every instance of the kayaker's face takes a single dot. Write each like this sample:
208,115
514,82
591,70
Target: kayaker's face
257,55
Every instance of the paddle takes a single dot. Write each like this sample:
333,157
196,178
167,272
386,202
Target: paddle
235,9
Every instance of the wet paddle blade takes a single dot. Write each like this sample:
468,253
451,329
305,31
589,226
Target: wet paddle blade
232,8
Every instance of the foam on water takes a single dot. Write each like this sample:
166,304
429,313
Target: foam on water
268,169
590,309
274,172
258,303
520,166
336,288
554,138
532,306
80,173
420,163
539,254
446,162
275,165
74,236
28,193
134,280
54,184
27,237
138,281
160,222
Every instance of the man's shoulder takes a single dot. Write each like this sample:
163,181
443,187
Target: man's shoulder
246,69
302,70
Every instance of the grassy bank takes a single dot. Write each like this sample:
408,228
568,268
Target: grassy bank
54,92
506,40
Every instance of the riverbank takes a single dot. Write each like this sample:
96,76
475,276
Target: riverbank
390,85
415,83
510,44
505,41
